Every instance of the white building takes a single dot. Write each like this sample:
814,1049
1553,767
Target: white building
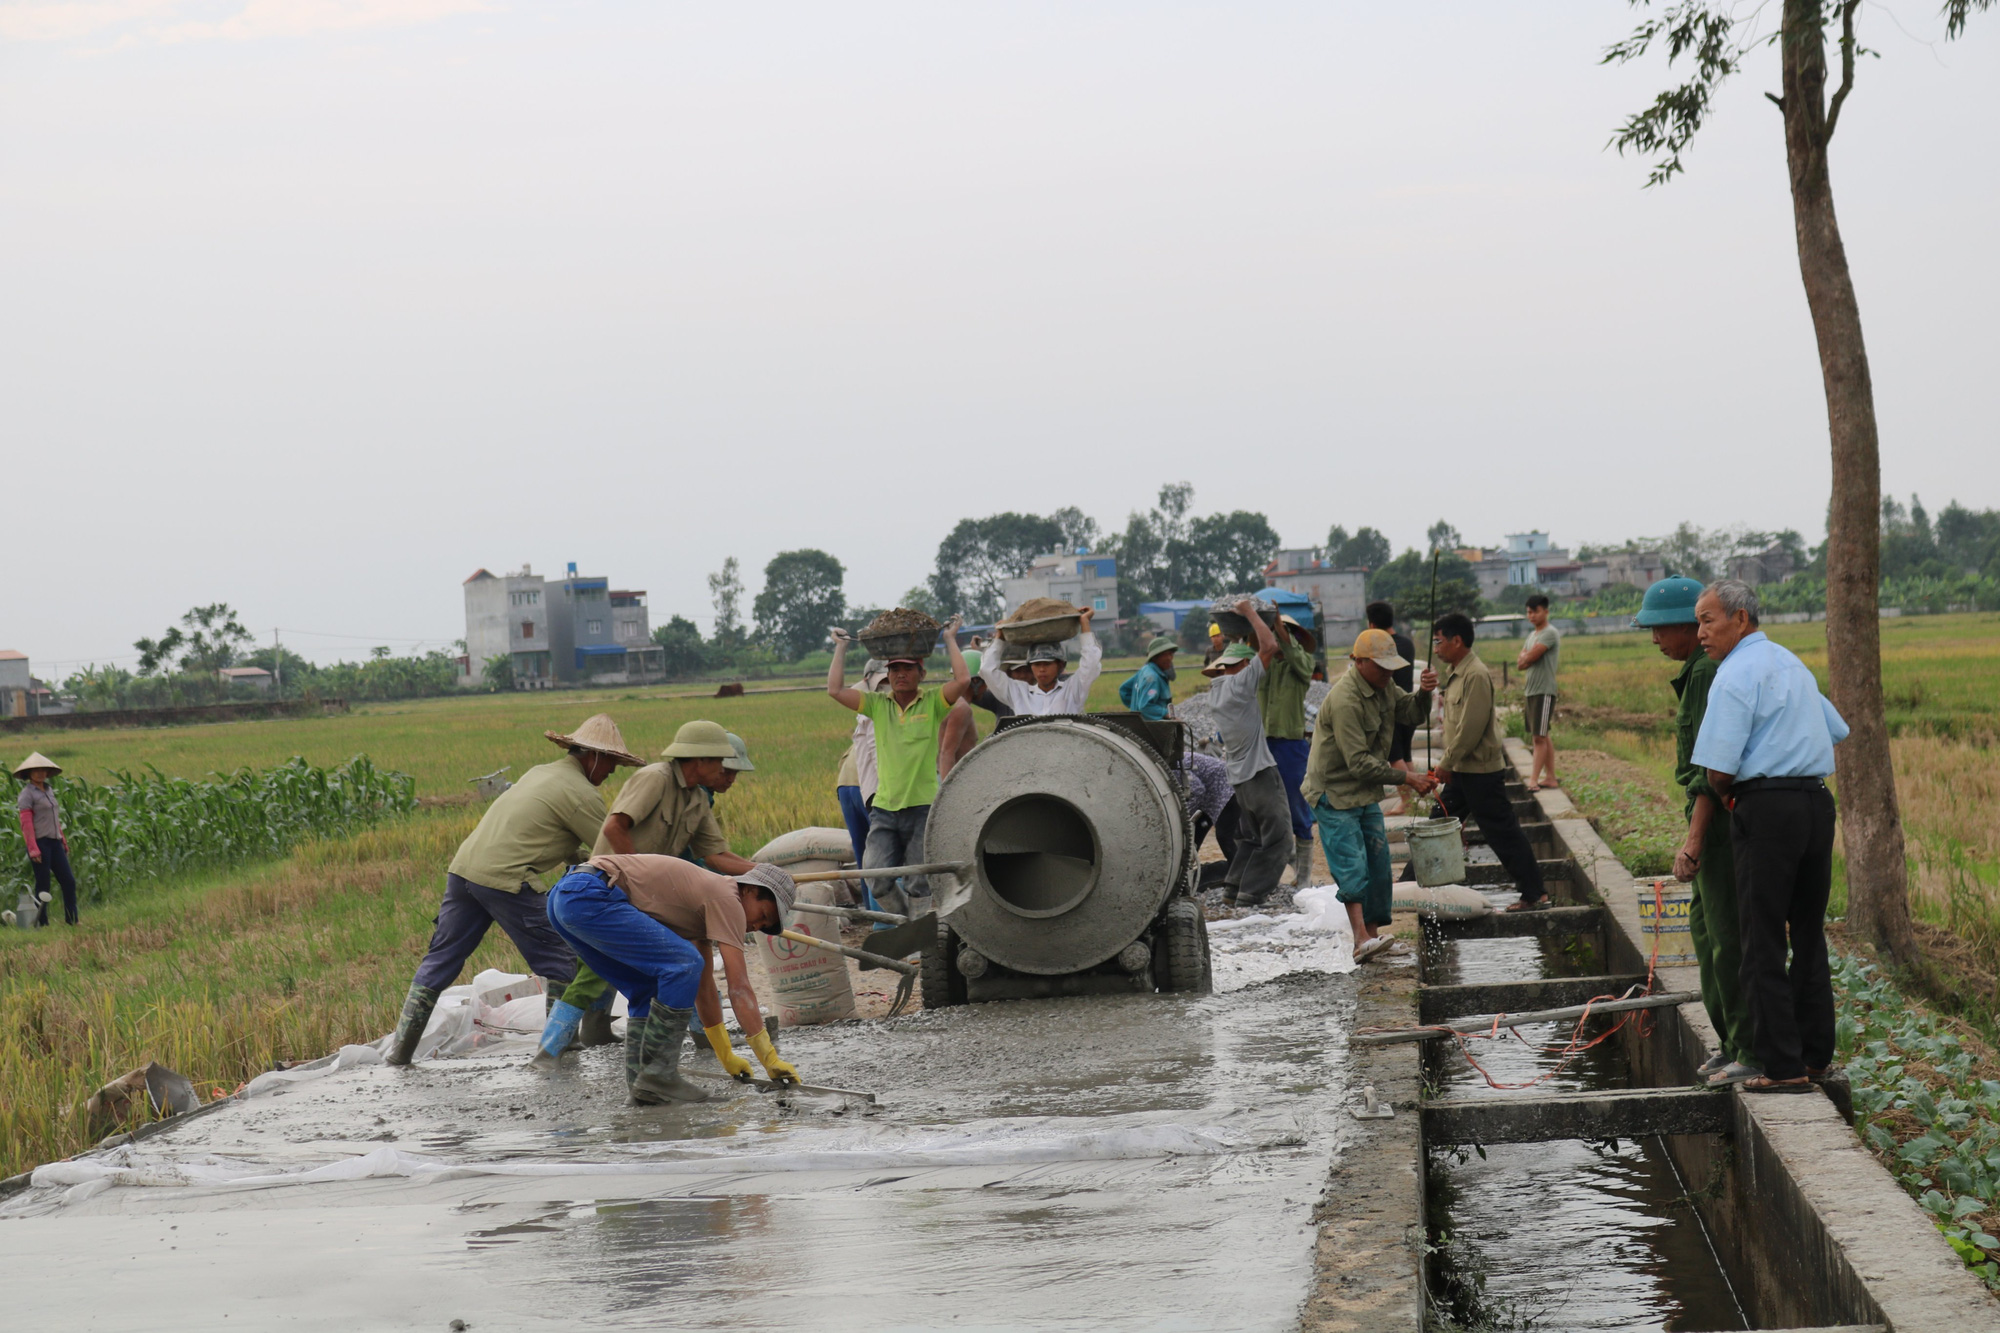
508,615
1641,569
1081,579
256,678
1340,591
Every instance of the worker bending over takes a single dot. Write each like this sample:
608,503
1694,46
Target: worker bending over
1048,693
652,926
664,809
532,829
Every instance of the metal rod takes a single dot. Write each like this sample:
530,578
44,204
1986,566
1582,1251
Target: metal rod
1486,1023
897,964
777,1085
1430,652
884,872
853,913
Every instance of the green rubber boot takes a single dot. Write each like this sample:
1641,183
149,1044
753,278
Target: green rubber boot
417,1006
659,1077
635,1050
595,1029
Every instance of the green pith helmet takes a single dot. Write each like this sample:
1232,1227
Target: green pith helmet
1161,644
973,660
700,740
1669,602
740,761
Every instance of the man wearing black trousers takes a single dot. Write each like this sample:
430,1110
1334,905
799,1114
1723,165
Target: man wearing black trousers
1473,767
1767,742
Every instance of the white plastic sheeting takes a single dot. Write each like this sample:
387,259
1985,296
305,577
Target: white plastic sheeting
1261,947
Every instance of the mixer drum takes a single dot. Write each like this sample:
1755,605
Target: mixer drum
1076,836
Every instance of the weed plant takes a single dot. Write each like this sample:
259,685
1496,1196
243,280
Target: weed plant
141,828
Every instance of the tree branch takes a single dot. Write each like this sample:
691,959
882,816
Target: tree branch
1847,9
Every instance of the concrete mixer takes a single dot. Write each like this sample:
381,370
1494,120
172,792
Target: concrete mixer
1079,864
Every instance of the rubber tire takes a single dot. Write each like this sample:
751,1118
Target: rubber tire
1184,944
942,985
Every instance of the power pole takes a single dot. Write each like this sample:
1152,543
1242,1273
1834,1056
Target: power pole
277,664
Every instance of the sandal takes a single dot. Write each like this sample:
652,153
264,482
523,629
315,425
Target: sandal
1529,904
1763,1084
1710,1065
1733,1075
1369,948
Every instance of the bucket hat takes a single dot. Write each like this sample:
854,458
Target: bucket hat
1235,652
1378,646
35,761
598,733
740,761
700,740
1161,644
1669,602
776,881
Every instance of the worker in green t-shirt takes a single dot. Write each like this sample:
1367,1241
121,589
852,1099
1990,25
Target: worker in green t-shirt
908,722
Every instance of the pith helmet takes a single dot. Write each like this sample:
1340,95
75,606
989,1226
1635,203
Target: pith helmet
1161,644
740,761
35,761
1669,602
597,733
700,740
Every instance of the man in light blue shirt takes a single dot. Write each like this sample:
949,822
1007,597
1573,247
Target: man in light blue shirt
1767,742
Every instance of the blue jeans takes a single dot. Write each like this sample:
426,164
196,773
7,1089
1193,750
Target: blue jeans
463,917
896,838
854,814
631,950
1357,852
1291,757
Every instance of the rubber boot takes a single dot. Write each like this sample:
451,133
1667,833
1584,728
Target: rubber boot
596,1028
1302,863
660,1078
558,1033
635,1049
417,1006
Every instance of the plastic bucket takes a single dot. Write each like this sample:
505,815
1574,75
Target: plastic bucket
1437,852
1664,905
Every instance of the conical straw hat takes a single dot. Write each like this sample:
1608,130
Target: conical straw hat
35,761
601,734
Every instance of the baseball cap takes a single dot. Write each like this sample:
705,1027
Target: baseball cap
1378,646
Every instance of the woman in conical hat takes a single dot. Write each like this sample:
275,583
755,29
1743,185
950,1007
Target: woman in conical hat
503,869
41,827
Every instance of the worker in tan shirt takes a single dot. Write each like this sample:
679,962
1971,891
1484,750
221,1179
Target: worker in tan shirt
1473,766
663,810
652,925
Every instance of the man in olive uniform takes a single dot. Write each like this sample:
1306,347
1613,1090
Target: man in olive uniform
663,810
1473,767
535,827
1707,856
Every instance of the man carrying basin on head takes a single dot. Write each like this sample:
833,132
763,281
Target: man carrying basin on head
1705,857
1351,743
664,809
652,925
909,721
1263,815
535,827
1149,691
1473,766
1281,696
1048,693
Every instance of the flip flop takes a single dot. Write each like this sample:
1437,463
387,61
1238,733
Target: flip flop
1732,1075
1762,1084
1710,1065
1369,948
1529,904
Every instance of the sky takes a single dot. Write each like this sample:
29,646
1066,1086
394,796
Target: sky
317,306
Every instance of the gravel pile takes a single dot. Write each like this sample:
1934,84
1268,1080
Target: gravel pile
900,621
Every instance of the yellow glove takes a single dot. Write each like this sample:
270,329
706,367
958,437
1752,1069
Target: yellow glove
768,1054
733,1064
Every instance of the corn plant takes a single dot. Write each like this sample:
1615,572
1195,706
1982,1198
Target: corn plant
146,827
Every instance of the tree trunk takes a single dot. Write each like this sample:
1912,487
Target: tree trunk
1871,826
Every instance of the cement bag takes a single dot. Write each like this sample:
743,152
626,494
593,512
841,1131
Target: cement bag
809,985
1446,900
826,848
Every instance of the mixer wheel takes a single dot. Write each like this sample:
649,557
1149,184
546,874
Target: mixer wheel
1184,941
943,986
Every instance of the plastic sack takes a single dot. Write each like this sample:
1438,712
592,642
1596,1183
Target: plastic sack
1445,900
809,985
808,844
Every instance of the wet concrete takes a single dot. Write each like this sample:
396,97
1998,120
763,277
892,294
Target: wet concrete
1122,1163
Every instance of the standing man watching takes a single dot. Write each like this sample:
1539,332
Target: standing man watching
908,722
1349,767
42,830
1705,857
1473,767
535,827
1149,691
1767,743
1538,659
1263,817
1048,693
1281,698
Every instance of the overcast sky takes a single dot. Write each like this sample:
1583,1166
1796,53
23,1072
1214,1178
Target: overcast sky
316,306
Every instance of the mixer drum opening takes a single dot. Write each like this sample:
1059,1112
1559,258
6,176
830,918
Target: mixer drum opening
1039,855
